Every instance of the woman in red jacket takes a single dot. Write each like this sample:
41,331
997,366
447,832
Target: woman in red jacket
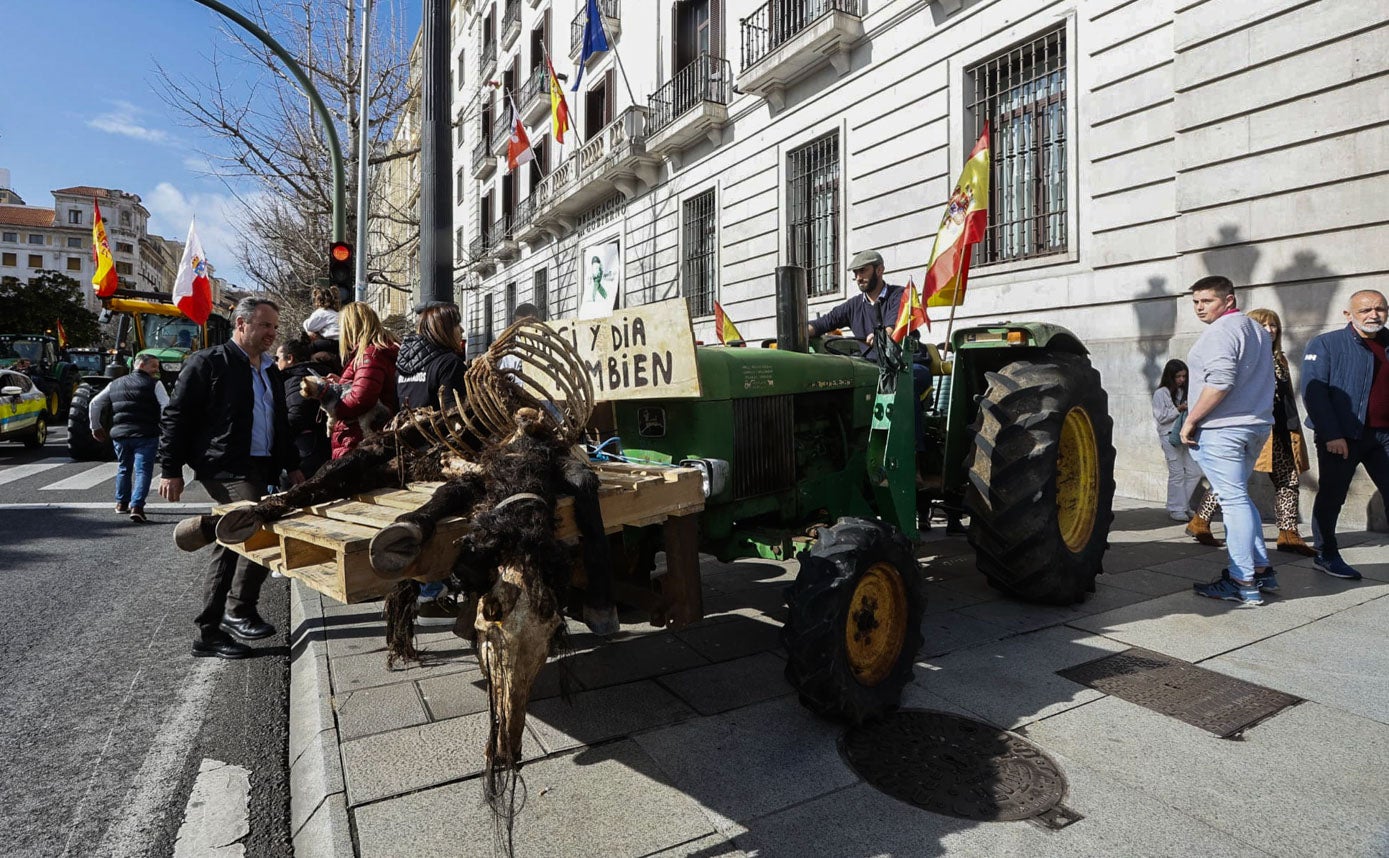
365,395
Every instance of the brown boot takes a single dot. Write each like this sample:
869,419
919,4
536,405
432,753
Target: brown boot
1289,541
1200,529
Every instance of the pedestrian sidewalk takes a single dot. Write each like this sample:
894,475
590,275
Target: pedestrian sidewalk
690,743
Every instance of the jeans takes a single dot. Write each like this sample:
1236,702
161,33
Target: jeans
1370,449
1227,455
1183,476
134,455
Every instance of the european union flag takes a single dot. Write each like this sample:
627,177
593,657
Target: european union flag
595,40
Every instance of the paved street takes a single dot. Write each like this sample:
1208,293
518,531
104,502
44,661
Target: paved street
105,718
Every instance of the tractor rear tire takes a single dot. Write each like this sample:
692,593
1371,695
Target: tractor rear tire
854,625
1041,479
82,447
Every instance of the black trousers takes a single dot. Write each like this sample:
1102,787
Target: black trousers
233,583
1371,449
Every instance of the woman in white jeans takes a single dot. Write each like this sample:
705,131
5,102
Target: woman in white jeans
1183,474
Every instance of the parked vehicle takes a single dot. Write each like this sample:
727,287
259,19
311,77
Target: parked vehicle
23,410
38,356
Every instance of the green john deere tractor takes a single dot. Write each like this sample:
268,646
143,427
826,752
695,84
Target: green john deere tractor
147,323
809,453
40,356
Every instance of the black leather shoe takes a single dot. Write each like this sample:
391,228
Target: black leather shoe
251,628
220,646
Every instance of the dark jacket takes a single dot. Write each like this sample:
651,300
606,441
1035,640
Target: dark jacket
864,318
422,368
307,421
134,406
368,386
1337,371
207,423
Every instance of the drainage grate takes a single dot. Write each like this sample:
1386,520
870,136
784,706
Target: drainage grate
1202,698
952,765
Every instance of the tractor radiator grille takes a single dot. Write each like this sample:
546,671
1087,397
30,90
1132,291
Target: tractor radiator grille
764,453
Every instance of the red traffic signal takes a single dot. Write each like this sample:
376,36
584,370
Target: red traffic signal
340,264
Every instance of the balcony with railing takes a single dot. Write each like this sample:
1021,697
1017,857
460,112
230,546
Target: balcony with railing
524,227
613,159
612,25
786,41
691,105
484,162
534,100
501,132
479,259
511,23
486,56
501,241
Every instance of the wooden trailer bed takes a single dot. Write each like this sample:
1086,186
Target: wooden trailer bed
325,546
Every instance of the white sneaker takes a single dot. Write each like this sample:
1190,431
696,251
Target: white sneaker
1179,516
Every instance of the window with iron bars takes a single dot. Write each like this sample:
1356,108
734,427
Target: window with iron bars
540,292
510,303
698,276
812,200
487,335
1022,93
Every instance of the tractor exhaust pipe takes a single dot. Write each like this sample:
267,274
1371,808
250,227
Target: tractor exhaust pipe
792,311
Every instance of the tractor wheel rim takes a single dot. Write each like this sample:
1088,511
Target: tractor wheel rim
876,629
1077,480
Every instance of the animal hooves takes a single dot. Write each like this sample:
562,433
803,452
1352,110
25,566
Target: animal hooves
395,548
602,621
237,526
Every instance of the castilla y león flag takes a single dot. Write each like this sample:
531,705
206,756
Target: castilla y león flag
192,287
105,279
965,218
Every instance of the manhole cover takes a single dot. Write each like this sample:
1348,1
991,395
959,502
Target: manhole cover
1202,698
952,765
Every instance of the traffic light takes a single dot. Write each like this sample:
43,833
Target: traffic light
341,271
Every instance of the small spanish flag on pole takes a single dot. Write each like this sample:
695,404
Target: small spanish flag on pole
559,107
62,333
724,327
966,216
105,279
910,314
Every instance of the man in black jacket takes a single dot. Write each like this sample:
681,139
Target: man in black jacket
307,422
227,420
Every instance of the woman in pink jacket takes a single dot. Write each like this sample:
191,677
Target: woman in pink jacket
364,396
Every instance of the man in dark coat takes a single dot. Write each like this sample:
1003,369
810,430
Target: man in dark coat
228,420
307,422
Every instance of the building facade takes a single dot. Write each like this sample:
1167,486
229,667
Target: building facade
1137,145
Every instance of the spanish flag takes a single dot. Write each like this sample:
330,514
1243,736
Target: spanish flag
910,314
62,333
559,108
963,225
105,279
724,327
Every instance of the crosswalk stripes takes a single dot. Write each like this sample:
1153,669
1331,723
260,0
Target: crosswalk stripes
19,472
88,479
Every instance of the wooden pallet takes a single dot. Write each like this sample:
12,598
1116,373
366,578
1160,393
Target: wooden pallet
325,546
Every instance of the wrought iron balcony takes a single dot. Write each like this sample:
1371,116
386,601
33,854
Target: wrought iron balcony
612,25
692,104
501,242
613,159
501,133
484,162
486,57
785,41
511,23
525,228
534,101
478,256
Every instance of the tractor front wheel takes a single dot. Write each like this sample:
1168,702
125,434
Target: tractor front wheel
854,625
1041,479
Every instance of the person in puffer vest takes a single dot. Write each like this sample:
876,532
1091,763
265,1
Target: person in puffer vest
135,402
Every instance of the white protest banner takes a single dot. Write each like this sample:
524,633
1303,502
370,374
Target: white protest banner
644,352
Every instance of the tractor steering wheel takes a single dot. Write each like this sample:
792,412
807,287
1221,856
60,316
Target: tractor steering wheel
846,346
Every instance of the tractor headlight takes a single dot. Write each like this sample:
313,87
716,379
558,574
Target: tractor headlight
714,471
171,366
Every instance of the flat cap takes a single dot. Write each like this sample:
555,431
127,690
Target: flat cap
865,257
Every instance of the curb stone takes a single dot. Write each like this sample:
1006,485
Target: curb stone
317,799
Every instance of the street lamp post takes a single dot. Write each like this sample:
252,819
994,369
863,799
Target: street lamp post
436,158
363,152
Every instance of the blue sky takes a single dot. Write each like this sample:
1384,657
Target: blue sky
80,108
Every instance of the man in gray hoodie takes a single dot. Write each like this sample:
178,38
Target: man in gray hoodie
1231,415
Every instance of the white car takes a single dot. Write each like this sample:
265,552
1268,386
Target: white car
23,410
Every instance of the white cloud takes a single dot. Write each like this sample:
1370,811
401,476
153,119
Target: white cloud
124,119
219,228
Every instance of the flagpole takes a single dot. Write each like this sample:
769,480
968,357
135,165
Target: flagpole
612,46
550,69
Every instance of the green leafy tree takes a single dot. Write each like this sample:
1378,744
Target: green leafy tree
34,307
